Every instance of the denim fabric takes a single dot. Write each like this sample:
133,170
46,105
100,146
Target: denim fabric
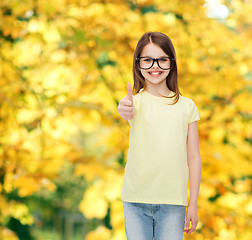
145,221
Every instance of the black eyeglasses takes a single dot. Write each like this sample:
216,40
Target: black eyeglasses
164,63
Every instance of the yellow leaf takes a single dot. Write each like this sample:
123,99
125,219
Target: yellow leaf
7,234
116,214
8,181
113,184
206,190
243,102
217,134
26,185
248,207
31,44
100,233
231,200
93,204
90,170
21,212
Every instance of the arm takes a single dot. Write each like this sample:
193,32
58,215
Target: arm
194,163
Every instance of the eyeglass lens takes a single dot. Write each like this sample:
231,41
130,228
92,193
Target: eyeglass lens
146,63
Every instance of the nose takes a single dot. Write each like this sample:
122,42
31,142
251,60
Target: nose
155,64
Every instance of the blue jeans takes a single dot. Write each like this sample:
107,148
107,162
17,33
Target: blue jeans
146,221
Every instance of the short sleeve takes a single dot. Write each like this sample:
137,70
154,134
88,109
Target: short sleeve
136,106
193,114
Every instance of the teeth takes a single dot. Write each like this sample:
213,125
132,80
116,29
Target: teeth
155,73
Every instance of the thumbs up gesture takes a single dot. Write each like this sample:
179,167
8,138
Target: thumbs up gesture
125,107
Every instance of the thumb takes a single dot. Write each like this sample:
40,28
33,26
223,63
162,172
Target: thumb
187,223
129,94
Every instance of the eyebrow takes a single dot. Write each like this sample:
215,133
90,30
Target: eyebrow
158,57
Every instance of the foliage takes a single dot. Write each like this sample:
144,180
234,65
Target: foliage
64,66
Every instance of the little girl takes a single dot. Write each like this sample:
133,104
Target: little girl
163,147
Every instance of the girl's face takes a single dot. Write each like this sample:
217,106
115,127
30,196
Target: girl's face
154,51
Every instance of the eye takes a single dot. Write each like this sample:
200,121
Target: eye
147,59
163,59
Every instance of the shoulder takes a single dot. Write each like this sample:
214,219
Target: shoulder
137,101
186,101
191,109
138,95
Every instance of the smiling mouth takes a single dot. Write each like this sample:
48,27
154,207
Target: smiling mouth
155,73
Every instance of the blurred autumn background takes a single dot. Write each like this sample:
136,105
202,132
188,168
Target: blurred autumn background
64,66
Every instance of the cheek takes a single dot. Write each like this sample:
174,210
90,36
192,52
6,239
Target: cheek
167,73
144,73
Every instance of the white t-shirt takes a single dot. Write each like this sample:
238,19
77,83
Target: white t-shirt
157,170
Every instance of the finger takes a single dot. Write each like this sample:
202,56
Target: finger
129,92
127,114
194,225
187,231
127,109
126,102
192,229
187,225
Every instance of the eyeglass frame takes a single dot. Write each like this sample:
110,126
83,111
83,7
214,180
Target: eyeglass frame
155,60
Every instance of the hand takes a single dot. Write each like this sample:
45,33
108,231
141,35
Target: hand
191,215
125,107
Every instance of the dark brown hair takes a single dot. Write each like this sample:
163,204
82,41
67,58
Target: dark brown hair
165,43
